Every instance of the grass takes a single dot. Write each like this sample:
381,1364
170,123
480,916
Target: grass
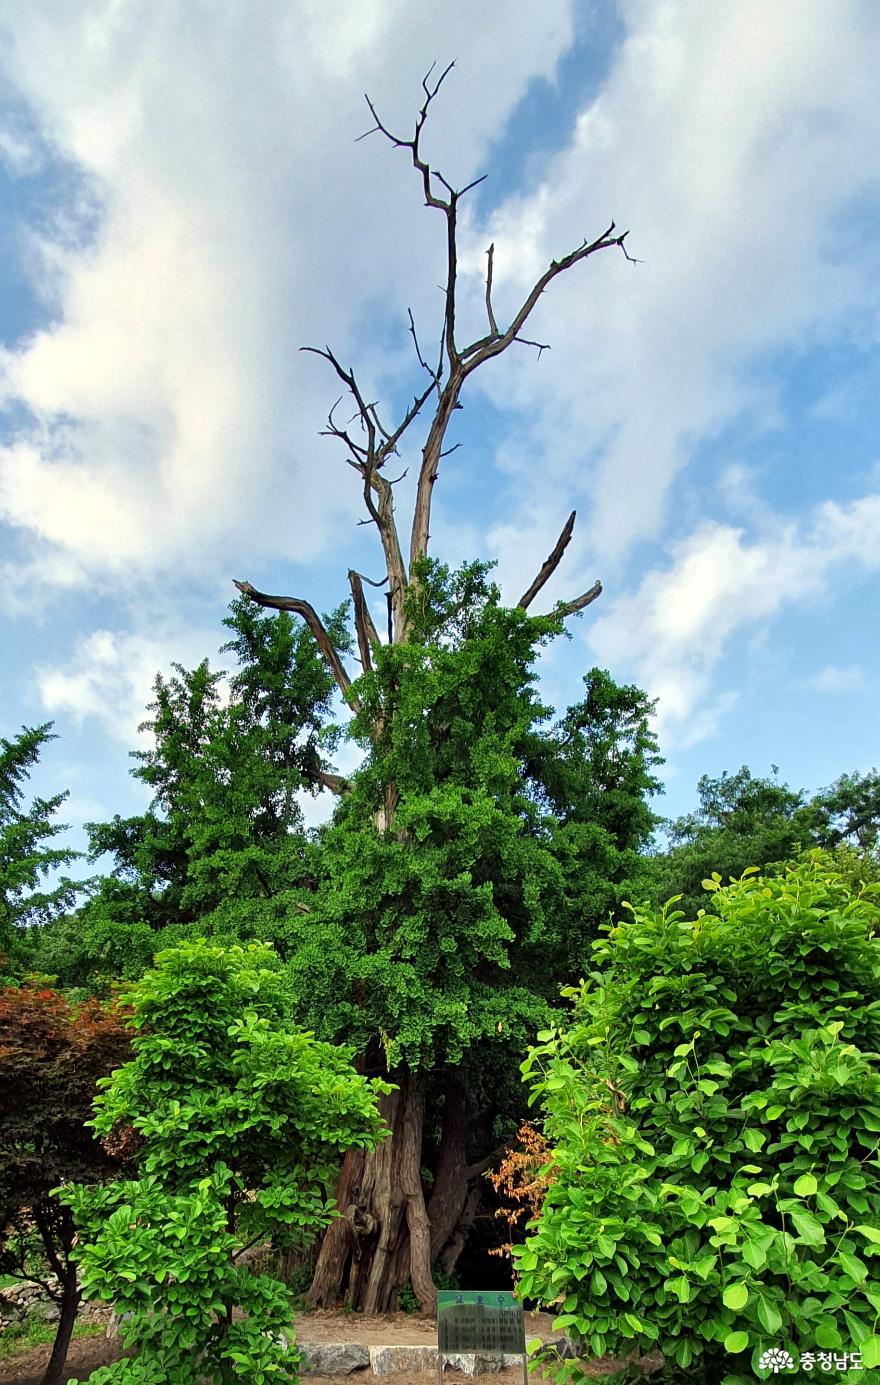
32,1332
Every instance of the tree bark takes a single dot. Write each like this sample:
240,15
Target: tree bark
449,1258
382,1237
417,1223
55,1373
450,1181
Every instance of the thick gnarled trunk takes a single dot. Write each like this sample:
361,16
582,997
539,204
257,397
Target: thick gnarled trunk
386,1234
382,1237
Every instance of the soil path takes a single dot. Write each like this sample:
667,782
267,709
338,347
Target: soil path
388,1329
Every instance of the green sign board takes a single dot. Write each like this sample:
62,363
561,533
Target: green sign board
480,1320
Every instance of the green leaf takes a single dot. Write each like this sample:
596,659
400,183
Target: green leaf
735,1296
808,1229
680,1287
870,1350
735,1342
754,1254
855,1268
769,1316
754,1140
806,1185
870,1233
827,1335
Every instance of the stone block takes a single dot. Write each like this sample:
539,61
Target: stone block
333,1358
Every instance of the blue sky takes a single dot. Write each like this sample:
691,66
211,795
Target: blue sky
183,204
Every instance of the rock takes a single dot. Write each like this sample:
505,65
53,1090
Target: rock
390,1360
334,1358
112,1329
477,1363
566,1349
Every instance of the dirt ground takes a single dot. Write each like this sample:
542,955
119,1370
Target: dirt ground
391,1329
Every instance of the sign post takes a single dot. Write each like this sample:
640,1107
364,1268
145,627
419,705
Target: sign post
487,1321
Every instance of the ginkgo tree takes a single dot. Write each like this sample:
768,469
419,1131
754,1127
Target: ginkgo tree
449,902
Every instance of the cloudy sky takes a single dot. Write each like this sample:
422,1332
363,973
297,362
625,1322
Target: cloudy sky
183,203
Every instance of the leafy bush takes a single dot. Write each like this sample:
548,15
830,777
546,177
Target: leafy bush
53,1051
714,1117
242,1121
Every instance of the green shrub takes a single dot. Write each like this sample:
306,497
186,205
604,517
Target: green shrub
713,1112
242,1121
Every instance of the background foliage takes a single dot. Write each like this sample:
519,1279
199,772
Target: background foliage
713,1110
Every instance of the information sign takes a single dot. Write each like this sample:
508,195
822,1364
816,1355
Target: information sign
488,1321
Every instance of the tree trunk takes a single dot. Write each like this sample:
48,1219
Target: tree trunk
382,1237
70,1297
449,1259
450,1180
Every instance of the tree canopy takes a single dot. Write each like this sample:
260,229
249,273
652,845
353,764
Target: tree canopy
746,820
31,890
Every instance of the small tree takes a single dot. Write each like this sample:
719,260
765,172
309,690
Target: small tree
242,1122
25,858
52,1054
714,1118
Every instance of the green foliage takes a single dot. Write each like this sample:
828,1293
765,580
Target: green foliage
222,851
241,1122
714,1115
743,821
448,929
25,859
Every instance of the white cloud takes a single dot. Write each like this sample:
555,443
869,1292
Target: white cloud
110,676
738,143
171,412
680,622
838,680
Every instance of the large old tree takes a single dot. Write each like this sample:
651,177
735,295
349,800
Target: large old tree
453,875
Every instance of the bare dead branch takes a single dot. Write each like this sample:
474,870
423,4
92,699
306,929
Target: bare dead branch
315,624
493,325
568,608
541,346
434,374
336,783
474,355
368,452
550,564
626,255
363,621
413,144
481,1165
